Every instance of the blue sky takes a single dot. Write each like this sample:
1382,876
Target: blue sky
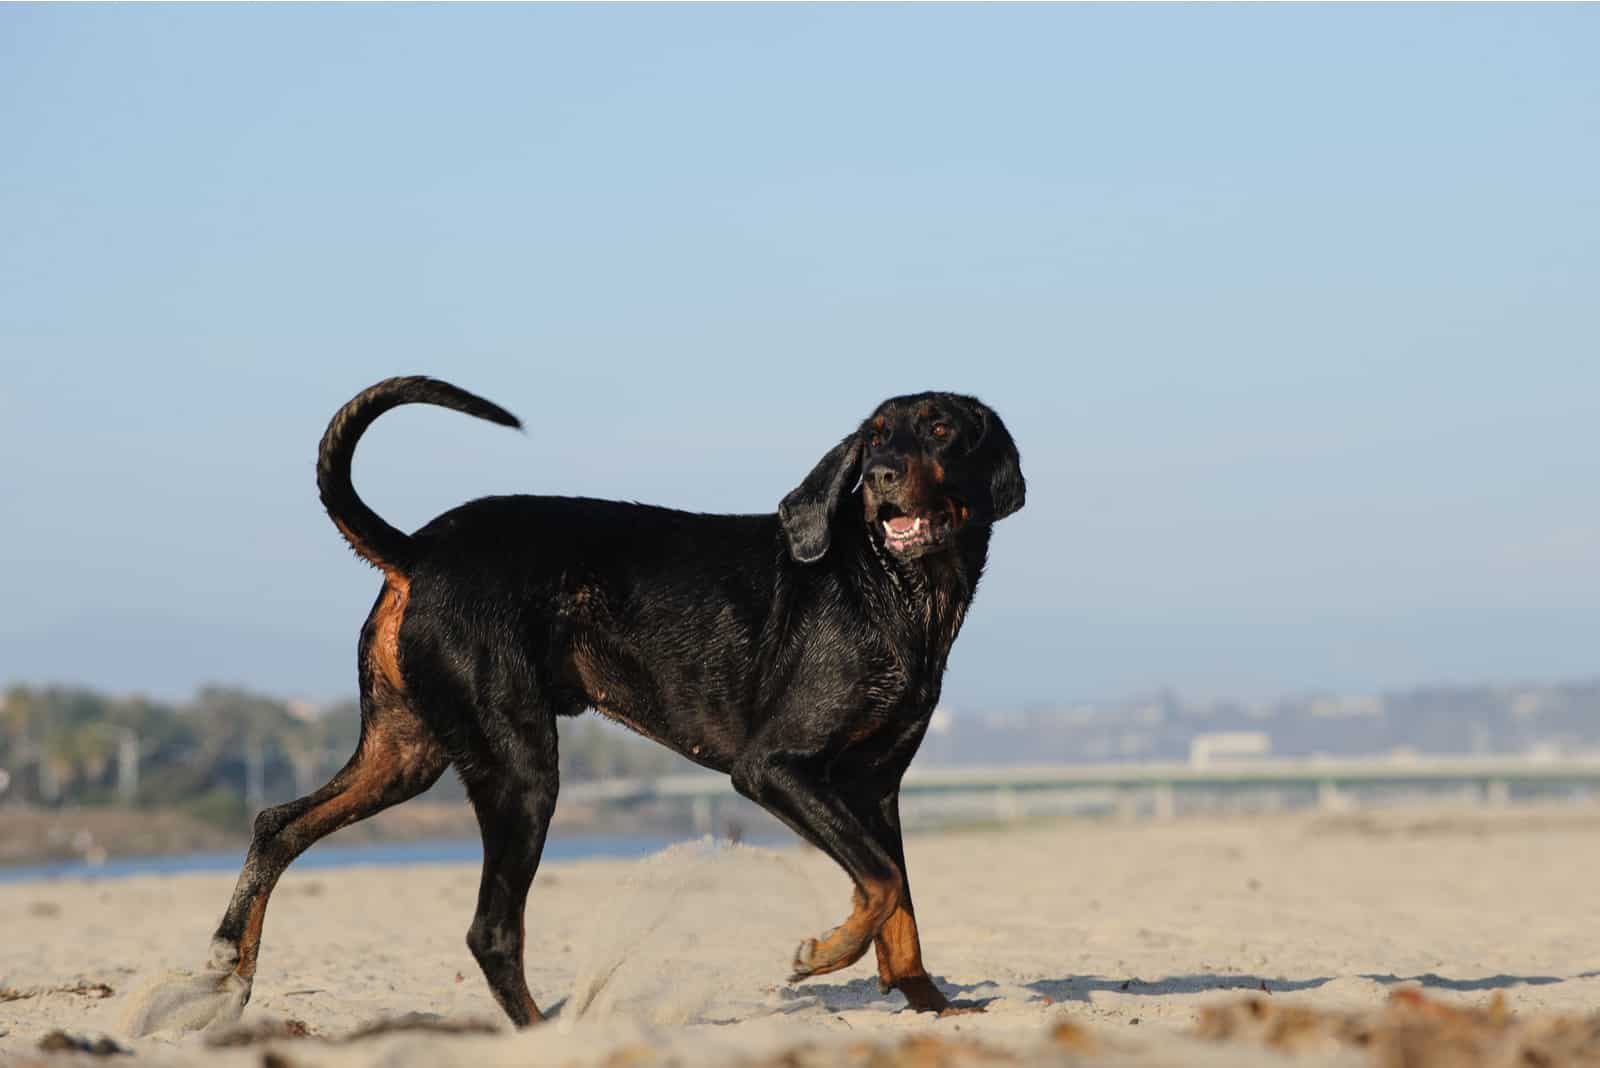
1292,311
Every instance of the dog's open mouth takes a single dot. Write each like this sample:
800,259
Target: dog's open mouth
905,533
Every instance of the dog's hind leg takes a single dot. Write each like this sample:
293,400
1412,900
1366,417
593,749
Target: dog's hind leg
513,794
398,757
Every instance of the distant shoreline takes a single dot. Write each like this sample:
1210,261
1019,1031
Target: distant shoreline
34,835
325,855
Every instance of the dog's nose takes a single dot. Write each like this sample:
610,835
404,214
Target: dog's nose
882,475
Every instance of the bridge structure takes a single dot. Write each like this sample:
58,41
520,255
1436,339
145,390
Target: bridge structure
1160,790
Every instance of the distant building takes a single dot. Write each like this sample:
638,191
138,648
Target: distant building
304,711
1205,749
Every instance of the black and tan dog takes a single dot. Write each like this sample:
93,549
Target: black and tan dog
800,653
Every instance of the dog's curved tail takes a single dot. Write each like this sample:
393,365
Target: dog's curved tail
373,539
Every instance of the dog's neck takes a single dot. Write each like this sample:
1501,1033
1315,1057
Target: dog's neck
932,592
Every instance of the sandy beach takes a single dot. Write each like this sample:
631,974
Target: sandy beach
1125,932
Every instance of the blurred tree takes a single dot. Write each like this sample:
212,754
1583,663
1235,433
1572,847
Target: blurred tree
70,745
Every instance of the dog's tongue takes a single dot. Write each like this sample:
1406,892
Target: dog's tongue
902,524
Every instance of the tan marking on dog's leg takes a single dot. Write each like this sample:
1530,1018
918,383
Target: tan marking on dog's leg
900,965
397,760
841,947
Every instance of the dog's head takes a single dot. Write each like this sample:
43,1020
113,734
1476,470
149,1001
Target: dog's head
927,464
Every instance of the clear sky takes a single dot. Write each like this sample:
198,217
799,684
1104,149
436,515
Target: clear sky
1292,310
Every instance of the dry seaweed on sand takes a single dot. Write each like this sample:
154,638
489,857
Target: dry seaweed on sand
64,1042
418,1022
927,1051
279,1030
1414,1031
88,990
264,1031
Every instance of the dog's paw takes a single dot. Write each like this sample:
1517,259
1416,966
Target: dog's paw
224,956
923,996
801,967
187,1001
832,951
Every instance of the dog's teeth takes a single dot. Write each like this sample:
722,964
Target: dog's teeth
921,528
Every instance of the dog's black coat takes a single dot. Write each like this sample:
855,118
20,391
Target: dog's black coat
800,653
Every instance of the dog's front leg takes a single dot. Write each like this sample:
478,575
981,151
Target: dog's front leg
899,949
780,783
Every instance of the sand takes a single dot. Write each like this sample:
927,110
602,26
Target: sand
1123,931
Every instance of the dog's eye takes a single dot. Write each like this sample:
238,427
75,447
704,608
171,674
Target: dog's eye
941,430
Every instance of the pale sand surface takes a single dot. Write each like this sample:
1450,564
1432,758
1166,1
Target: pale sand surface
1126,929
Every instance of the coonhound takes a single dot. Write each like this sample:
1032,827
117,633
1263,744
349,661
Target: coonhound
799,653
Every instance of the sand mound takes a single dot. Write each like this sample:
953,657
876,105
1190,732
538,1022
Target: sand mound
189,1001
185,1001
695,934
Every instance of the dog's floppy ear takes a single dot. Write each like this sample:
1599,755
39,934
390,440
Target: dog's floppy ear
807,512
1007,489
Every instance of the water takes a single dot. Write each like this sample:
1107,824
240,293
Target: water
433,851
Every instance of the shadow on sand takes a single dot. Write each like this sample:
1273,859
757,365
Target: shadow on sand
863,993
